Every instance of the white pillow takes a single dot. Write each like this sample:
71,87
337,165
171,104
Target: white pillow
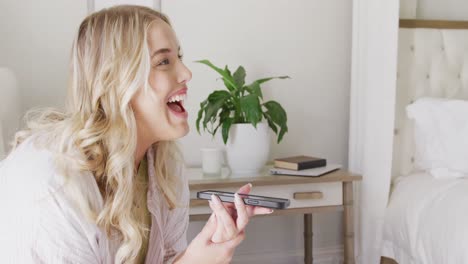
441,136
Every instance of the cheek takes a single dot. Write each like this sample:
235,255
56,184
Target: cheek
160,82
148,107
137,102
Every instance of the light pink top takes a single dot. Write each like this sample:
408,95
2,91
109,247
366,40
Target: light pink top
39,224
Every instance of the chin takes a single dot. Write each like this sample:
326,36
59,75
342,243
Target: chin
184,131
180,132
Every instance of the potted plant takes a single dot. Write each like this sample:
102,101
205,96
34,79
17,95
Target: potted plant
240,112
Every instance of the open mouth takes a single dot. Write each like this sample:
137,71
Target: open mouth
176,103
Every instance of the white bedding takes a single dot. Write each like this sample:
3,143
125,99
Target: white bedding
426,221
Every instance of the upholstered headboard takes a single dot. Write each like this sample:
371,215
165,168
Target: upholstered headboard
432,61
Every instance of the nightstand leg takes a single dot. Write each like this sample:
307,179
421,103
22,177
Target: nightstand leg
308,259
348,220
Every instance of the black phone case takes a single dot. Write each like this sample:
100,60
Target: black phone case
256,200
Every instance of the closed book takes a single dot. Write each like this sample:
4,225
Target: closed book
299,162
315,172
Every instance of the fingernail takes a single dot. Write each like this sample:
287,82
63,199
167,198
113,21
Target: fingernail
271,211
250,185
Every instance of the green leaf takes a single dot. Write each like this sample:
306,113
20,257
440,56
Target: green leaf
211,111
218,95
254,88
216,101
260,81
283,131
276,112
226,69
200,113
278,116
227,78
250,106
222,118
239,77
229,85
270,123
226,126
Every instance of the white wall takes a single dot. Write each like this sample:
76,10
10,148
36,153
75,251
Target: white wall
36,40
307,40
434,9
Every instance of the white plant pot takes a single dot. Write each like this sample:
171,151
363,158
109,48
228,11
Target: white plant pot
247,149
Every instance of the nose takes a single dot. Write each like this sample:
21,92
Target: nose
185,74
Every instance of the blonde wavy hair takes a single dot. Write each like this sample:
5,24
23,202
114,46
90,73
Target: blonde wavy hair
110,61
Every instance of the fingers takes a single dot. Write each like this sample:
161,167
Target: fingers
218,234
231,245
242,215
223,217
245,189
252,210
242,190
209,229
256,210
237,240
231,210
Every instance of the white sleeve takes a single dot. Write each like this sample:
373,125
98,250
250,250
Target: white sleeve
39,223
61,236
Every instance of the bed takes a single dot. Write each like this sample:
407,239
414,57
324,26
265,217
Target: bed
426,217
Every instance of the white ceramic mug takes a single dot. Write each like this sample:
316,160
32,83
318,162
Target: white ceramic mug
212,161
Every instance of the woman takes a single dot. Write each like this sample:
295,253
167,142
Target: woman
104,180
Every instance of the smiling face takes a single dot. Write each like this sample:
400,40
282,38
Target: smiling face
159,112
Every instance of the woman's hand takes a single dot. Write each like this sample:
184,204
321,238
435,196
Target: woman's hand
203,250
223,232
233,218
251,210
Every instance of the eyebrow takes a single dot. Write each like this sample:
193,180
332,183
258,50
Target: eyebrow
163,50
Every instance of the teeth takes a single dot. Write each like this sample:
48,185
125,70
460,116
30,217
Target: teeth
177,98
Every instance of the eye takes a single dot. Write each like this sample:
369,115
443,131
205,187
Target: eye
164,62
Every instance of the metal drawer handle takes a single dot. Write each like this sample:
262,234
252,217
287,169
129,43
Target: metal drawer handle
308,195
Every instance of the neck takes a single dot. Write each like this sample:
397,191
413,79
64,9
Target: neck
143,143
139,154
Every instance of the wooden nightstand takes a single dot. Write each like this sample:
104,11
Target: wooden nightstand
330,192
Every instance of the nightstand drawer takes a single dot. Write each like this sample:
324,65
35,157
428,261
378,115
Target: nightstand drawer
300,195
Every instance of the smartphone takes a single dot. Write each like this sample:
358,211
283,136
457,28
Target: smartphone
249,199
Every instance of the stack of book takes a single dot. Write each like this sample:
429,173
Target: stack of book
302,166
